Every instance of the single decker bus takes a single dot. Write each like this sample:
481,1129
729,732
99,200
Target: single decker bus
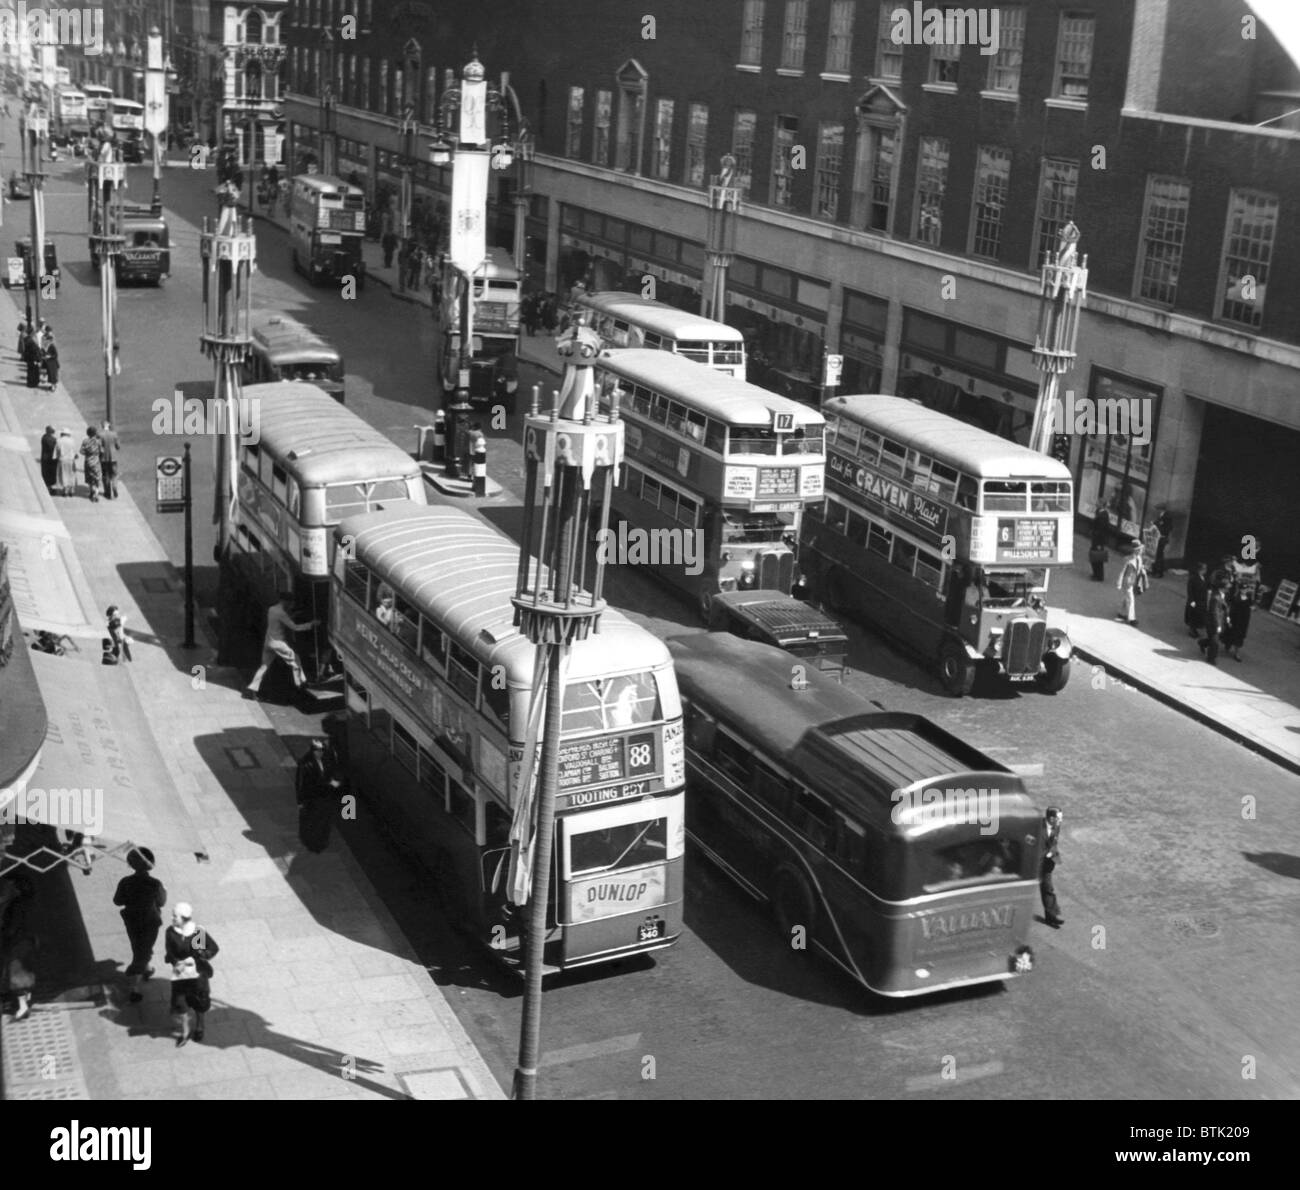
314,464
629,320
282,348
943,536
904,855
716,469
438,682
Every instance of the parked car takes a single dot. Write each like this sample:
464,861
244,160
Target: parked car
23,248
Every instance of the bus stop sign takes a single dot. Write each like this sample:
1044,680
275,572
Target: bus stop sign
169,474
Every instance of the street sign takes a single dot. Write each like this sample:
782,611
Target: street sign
169,473
17,275
834,366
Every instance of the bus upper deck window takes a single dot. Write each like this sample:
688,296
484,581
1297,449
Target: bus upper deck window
967,493
1004,495
893,457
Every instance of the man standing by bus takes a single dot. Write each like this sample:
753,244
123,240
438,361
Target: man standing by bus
1051,857
279,643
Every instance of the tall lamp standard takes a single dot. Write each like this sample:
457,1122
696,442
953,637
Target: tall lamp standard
328,146
470,153
38,126
720,237
1063,289
524,156
157,73
408,127
106,176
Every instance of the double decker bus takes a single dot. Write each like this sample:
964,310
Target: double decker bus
314,464
942,535
98,98
629,320
282,348
716,462
438,683
126,118
71,123
494,298
327,224
910,858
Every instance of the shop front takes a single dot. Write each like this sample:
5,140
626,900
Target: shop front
976,377
605,253
1115,469
862,342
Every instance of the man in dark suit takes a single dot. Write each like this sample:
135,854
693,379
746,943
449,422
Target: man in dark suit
50,459
1051,857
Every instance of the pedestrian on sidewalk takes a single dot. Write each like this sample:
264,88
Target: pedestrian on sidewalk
318,786
189,950
1246,578
1216,620
24,329
1132,582
1099,541
117,633
50,358
109,445
67,463
50,459
141,898
33,357
1165,528
18,941
1198,589
92,466
1051,857
279,642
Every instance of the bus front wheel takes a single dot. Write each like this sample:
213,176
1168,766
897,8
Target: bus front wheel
1056,672
956,669
793,906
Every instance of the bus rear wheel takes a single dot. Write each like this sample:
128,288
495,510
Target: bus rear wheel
1056,673
956,669
793,907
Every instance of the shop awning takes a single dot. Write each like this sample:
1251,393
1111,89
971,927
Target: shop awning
100,774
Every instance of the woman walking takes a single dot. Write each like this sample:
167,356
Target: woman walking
67,463
33,357
1132,582
1216,619
50,357
1197,590
189,950
141,898
1246,578
91,449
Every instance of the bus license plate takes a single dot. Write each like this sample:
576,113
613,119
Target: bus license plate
649,931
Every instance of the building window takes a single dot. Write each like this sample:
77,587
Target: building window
992,177
931,179
633,82
742,149
786,128
1074,56
696,136
839,42
604,111
253,81
663,138
794,39
1004,70
1056,197
1164,226
364,97
573,138
430,94
830,156
751,35
945,60
1247,251
385,96
873,178
889,55
253,28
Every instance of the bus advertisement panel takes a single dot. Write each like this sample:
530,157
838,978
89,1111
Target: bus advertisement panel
910,858
944,536
438,683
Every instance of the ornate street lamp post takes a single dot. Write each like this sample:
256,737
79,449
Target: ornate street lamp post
106,179
155,109
38,126
328,145
471,153
720,237
1064,287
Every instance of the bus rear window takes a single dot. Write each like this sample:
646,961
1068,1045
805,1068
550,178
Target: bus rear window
980,859
605,704
349,499
692,349
618,847
311,372
1052,495
1004,495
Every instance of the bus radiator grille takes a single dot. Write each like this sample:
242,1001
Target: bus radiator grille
776,570
1022,645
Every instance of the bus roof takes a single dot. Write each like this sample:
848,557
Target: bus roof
966,447
331,443
660,318
131,104
713,393
824,730
462,572
325,182
97,89
287,338
498,263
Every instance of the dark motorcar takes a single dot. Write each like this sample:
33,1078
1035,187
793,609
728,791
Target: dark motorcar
19,187
23,248
778,619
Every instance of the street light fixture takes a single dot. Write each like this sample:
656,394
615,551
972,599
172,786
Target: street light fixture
155,109
328,148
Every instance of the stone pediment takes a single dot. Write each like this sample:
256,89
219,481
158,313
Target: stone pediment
880,101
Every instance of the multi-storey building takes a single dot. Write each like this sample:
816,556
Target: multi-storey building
901,193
